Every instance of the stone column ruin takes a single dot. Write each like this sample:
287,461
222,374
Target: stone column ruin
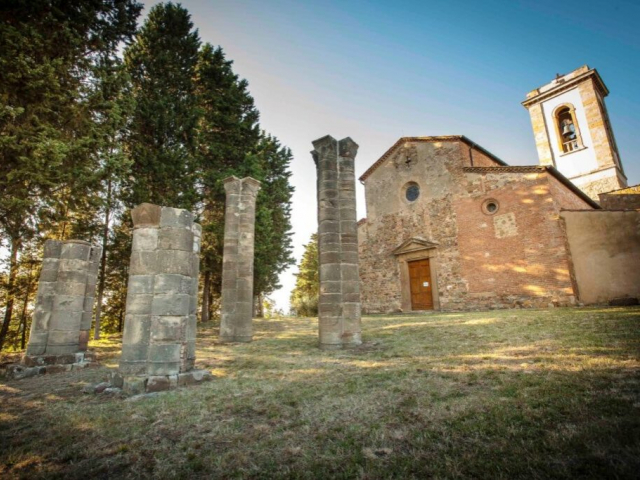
236,324
339,300
159,339
64,307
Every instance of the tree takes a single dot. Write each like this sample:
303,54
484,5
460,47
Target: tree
304,297
117,275
227,133
161,137
48,138
116,105
273,217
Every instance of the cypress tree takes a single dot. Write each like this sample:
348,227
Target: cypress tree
273,217
304,296
227,133
161,137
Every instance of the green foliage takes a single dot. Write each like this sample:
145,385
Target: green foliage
48,137
85,135
304,296
161,135
273,215
227,134
117,276
230,143
51,52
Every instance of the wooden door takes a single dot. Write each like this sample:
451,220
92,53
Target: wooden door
420,281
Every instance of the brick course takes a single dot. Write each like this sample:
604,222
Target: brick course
515,257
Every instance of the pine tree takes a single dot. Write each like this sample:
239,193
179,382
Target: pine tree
47,135
116,105
304,297
161,137
117,275
273,217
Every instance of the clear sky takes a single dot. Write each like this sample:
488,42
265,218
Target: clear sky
379,70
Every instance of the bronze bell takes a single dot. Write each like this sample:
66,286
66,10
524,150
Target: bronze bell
566,130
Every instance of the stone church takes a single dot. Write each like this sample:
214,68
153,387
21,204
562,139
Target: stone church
450,226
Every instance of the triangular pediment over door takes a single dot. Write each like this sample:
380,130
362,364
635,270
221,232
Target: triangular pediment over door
414,244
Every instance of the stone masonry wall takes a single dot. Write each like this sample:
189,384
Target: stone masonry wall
625,199
391,220
516,257
158,343
64,303
339,307
236,324
565,198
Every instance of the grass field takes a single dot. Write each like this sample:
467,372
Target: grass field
500,394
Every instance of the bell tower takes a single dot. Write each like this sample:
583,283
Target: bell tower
573,133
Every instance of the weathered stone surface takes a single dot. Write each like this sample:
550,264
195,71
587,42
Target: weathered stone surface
170,304
339,301
236,323
145,240
475,262
134,385
64,303
158,340
146,214
158,383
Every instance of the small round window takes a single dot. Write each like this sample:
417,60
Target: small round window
490,206
412,192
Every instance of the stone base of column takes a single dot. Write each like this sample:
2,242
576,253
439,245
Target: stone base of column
354,340
32,365
236,339
137,384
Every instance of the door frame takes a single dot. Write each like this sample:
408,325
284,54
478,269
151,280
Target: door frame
417,249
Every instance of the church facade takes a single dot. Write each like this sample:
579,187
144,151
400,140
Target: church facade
450,226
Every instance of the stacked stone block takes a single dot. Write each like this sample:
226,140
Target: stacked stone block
158,346
64,304
237,268
339,301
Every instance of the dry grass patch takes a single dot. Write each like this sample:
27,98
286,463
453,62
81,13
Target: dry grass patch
501,394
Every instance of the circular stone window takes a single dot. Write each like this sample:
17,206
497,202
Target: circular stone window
490,206
412,192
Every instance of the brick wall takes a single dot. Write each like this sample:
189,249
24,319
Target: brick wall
516,257
625,199
564,197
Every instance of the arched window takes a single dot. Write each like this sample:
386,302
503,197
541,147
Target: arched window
567,129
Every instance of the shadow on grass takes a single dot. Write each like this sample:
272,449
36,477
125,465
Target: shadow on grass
550,394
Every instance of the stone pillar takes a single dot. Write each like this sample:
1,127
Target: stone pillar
44,299
64,304
237,265
158,345
339,300
87,312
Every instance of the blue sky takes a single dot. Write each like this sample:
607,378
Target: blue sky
379,70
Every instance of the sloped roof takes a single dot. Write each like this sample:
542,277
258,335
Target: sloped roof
630,190
432,139
536,168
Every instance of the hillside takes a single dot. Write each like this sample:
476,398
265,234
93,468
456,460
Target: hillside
499,394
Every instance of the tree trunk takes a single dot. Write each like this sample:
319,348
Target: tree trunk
23,316
11,286
103,263
206,297
258,306
120,320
